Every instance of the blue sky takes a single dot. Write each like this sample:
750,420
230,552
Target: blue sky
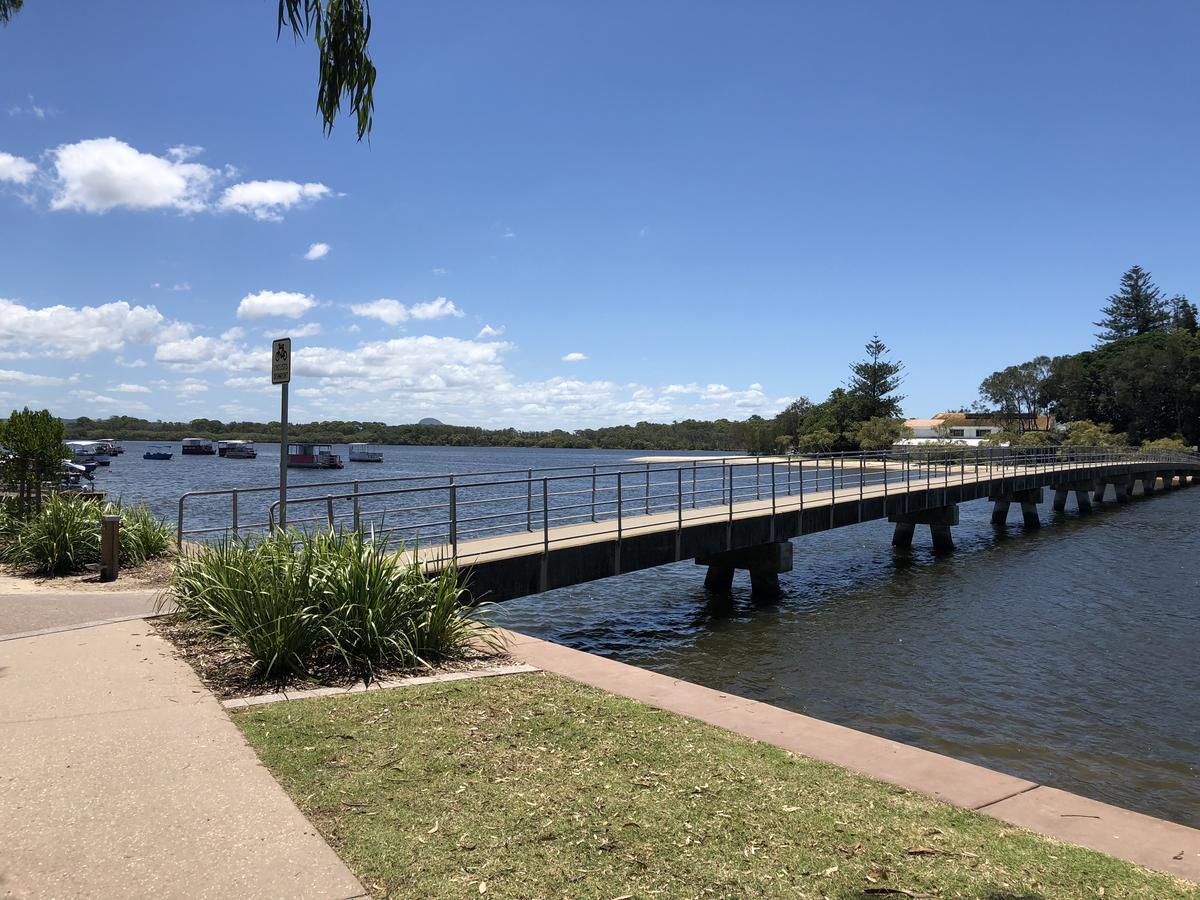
714,204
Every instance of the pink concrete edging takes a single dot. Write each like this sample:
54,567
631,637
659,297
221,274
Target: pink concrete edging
285,696
1144,840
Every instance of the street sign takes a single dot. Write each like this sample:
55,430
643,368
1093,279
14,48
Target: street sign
281,361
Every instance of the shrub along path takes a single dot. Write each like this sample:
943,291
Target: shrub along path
122,776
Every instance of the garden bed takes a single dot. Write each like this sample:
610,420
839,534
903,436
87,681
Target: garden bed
152,575
229,671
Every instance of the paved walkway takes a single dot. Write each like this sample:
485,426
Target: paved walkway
1153,843
123,777
24,615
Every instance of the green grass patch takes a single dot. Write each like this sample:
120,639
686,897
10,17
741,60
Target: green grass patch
537,787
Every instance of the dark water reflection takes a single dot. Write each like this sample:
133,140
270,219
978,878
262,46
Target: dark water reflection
1067,655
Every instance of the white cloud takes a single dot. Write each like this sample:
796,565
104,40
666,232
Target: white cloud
287,304
269,200
181,287
130,363
15,169
104,173
438,270
509,233
33,110
236,333
309,329
317,251
71,333
130,389
11,376
393,312
203,352
488,331
190,387
574,357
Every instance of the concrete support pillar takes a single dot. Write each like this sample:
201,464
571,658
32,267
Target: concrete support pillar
1029,500
1060,499
1168,479
939,519
765,562
1098,495
1083,500
1122,488
1148,482
903,535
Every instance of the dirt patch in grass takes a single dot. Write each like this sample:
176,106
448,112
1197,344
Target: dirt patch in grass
532,786
228,671
154,574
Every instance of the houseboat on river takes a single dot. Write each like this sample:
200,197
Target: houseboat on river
237,450
198,447
87,454
366,453
158,451
313,456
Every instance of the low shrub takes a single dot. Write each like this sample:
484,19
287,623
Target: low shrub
63,535
295,601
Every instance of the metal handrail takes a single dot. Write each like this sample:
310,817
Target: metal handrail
714,486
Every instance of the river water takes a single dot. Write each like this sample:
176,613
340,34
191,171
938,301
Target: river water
1069,654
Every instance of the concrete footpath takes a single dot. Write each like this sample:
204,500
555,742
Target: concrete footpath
24,615
1153,843
123,777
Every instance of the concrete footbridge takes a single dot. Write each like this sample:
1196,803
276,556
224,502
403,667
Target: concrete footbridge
525,531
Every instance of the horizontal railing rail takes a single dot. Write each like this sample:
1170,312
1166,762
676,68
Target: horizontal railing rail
613,499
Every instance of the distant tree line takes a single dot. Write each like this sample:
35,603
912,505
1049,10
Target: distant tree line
1141,381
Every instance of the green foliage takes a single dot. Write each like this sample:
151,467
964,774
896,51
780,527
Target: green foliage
1018,394
35,442
1183,314
874,381
1137,308
1086,433
297,600
817,441
63,535
9,8
341,30
880,433
1166,443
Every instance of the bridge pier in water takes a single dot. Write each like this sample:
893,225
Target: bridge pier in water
1029,500
1083,496
765,563
939,519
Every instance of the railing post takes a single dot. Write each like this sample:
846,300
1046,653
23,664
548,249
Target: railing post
453,518
357,510
757,478
860,479
802,485
693,484
679,499
772,500
235,514
593,493
529,500
832,485
620,503
179,531
647,488
545,515
329,510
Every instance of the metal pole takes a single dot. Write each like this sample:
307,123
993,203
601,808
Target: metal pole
357,510
529,500
179,532
757,479
329,509
693,484
647,488
235,514
679,498
861,475
283,446
453,517
620,502
545,515
593,493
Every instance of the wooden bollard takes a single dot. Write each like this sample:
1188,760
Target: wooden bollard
110,548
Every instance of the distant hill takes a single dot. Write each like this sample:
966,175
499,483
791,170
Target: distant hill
428,421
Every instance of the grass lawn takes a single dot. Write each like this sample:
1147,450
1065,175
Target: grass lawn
534,786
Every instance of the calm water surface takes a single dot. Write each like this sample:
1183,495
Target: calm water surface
1067,655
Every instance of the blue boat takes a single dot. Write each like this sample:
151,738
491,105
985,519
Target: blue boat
158,452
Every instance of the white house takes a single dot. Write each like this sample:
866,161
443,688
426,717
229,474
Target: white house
962,428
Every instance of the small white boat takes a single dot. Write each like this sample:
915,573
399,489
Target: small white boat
198,447
87,453
366,453
238,450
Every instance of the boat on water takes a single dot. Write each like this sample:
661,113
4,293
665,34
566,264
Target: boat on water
237,450
85,454
313,456
198,447
158,451
366,453
110,447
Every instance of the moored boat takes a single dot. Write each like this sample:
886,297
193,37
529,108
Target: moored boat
84,453
238,450
198,447
158,451
313,456
366,453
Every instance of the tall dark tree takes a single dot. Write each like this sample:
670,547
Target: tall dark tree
874,381
1137,308
1019,394
341,30
1183,314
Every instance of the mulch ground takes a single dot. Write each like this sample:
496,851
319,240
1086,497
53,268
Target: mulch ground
229,672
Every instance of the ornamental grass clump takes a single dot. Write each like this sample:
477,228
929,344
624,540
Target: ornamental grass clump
297,601
63,535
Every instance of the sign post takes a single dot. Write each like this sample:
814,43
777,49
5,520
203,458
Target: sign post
281,374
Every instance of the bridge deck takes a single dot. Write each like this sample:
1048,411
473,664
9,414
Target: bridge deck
517,564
